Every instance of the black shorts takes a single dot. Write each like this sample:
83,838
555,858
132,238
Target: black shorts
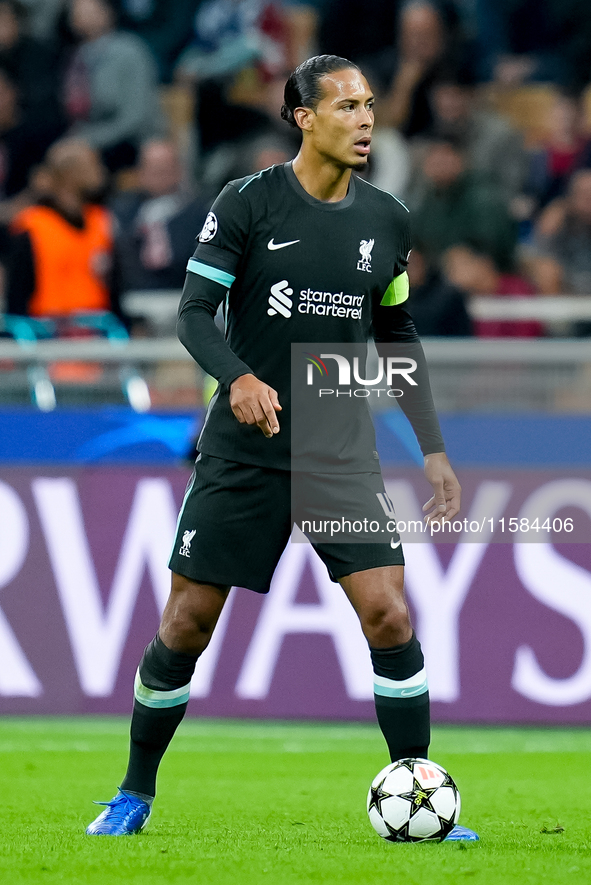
236,520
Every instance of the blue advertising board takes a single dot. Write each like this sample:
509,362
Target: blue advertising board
117,435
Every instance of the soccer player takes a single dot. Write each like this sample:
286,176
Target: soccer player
309,227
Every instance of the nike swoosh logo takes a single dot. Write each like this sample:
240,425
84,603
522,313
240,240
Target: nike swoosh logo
272,246
394,545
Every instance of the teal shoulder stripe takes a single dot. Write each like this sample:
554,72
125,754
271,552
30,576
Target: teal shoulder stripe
397,291
381,189
210,273
254,178
250,180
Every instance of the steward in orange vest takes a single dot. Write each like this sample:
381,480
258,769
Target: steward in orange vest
62,250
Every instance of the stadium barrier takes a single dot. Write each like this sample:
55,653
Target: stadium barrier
160,308
467,375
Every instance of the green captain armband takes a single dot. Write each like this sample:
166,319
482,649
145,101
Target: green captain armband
397,291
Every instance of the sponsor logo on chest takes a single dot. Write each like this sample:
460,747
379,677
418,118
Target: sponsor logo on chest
280,300
312,301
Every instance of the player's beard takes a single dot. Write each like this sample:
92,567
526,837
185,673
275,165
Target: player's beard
363,166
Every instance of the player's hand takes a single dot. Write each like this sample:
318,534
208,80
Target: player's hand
254,402
445,503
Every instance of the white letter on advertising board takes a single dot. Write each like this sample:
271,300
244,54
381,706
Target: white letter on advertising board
437,594
17,678
561,585
281,615
98,632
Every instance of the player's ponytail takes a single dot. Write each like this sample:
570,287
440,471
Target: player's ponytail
303,89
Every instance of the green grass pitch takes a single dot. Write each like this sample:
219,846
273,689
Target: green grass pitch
284,803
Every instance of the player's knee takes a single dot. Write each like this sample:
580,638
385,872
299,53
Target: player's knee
388,625
187,634
191,614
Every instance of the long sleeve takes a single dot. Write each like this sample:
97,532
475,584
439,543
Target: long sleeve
211,273
198,332
395,335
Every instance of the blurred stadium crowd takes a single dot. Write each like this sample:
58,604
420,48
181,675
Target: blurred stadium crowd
120,120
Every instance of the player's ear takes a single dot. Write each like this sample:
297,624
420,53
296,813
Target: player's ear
304,117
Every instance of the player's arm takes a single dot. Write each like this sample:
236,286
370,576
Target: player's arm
198,332
210,274
393,324
251,400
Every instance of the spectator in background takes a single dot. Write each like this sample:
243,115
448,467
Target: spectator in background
459,206
43,17
477,274
390,164
560,262
366,33
32,65
247,156
62,255
302,21
427,37
543,40
23,143
111,85
231,36
493,147
566,149
158,223
437,306
165,25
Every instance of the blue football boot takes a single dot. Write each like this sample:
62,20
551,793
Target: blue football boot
123,816
462,834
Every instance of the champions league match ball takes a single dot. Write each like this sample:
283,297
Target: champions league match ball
413,800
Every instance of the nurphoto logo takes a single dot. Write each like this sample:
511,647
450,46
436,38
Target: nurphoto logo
388,369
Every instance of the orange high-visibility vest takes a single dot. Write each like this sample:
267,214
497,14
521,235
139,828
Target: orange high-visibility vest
70,264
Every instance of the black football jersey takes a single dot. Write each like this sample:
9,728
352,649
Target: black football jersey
296,269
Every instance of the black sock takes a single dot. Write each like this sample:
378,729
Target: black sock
161,694
402,698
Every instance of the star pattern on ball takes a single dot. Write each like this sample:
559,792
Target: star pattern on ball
419,797
377,794
395,821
